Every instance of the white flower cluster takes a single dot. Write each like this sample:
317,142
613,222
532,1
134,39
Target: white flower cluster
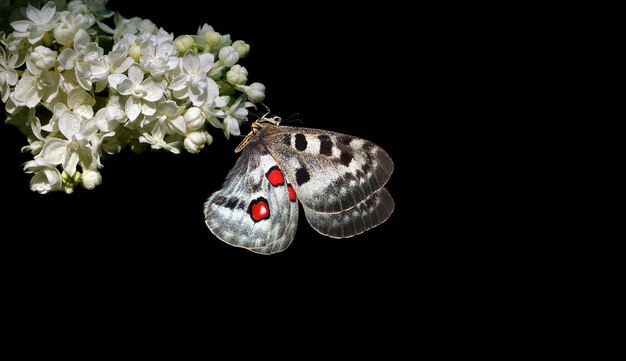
78,88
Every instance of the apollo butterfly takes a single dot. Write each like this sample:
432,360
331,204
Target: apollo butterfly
338,178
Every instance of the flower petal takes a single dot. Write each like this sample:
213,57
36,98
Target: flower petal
21,25
148,108
206,62
69,124
70,163
76,97
154,91
135,74
179,124
132,108
167,107
67,58
126,87
32,13
85,111
81,39
47,12
191,62
116,79
212,89
179,82
54,150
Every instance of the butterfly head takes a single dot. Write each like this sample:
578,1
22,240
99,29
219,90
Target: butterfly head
256,126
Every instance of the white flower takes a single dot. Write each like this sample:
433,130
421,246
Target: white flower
195,141
87,58
91,178
143,28
78,101
38,23
212,109
75,103
95,7
15,47
229,56
141,93
69,24
160,141
117,62
255,91
8,75
167,119
40,58
111,116
158,58
35,140
47,177
31,89
192,80
235,115
80,145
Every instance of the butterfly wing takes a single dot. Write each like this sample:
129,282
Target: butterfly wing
255,209
367,214
338,178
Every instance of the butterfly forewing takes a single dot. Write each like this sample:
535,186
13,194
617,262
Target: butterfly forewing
331,172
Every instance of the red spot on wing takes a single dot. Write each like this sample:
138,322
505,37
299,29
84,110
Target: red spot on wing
275,176
259,209
219,201
292,193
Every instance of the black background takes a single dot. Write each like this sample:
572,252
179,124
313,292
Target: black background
333,69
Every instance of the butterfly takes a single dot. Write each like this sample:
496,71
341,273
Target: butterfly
338,178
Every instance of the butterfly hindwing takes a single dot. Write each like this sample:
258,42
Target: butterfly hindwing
255,209
369,213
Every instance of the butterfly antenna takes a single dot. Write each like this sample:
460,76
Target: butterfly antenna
268,110
293,118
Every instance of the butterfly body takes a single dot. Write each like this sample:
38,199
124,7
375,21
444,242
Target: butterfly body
338,179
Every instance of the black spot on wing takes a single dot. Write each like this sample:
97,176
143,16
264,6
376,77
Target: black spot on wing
345,158
300,142
345,139
326,144
302,176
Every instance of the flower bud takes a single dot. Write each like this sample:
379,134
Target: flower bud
229,56
255,92
184,43
212,38
135,52
194,118
194,142
43,58
242,48
237,75
91,179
